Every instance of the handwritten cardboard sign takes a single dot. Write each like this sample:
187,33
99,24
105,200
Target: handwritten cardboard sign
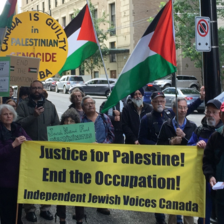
4,75
81,132
23,70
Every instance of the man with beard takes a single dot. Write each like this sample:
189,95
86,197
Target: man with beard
132,114
151,123
200,137
35,114
213,165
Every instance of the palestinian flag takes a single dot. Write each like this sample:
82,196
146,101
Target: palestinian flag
81,40
153,57
6,17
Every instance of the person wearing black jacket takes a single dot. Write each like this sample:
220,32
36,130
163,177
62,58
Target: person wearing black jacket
151,123
132,114
115,116
200,137
213,165
177,132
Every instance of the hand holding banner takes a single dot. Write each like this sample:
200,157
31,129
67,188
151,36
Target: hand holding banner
162,179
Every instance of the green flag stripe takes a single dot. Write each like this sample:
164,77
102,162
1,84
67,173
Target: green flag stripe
75,59
4,20
154,67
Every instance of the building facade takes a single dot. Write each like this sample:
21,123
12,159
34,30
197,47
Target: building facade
129,17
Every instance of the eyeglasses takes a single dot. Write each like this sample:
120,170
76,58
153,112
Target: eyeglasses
36,88
208,112
88,104
159,101
182,108
69,121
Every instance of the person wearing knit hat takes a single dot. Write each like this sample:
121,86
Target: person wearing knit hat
213,163
132,114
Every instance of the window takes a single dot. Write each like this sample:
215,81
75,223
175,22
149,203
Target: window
151,89
77,79
103,82
37,7
95,14
189,91
63,1
73,72
113,73
81,70
112,56
49,4
64,21
43,7
32,9
26,1
56,3
93,82
112,19
71,17
96,74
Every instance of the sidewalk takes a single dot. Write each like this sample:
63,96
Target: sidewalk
93,217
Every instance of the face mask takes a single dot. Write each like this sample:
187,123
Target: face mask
138,102
211,121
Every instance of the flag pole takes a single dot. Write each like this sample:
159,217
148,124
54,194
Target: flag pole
99,46
173,74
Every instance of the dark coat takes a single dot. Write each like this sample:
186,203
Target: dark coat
203,132
167,132
213,162
131,121
119,138
150,126
9,156
36,127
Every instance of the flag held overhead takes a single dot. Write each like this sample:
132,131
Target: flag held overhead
154,57
81,40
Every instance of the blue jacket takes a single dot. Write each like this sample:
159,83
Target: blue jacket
203,132
148,132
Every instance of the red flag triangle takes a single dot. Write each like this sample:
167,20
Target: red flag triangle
87,31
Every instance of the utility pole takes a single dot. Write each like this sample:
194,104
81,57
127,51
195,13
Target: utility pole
211,63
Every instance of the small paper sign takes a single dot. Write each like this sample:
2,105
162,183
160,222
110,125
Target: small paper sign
4,75
81,132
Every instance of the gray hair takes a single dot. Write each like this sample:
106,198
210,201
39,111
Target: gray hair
72,113
76,90
177,100
86,97
10,108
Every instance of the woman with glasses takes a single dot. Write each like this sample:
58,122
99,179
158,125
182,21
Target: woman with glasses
70,117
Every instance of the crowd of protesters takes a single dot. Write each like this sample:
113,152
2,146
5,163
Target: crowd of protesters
133,123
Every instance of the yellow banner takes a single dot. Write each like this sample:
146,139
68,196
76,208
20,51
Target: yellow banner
163,179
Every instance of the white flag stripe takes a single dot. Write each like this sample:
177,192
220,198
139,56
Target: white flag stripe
73,43
140,53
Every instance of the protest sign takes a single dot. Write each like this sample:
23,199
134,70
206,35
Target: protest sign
23,70
81,132
162,179
4,75
38,35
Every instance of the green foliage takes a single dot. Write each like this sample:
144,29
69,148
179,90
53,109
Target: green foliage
95,61
184,19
